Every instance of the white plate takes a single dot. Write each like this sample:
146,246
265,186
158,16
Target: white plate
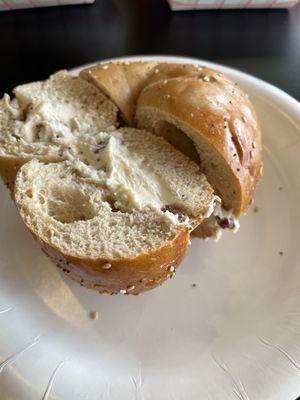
236,335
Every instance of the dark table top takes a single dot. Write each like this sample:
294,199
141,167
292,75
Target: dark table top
35,43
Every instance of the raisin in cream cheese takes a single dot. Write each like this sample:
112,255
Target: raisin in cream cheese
225,219
215,223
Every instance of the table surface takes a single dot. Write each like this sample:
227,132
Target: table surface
35,43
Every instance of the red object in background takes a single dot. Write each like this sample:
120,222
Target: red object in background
178,5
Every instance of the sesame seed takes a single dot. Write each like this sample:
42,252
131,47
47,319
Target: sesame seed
234,154
200,68
171,268
251,154
156,71
238,169
219,74
224,126
94,315
167,96
126,62
172,275
253,145
193,285
106,266
131,287
123,291
192,115
165,82
244,119
205,78
105,67
281,253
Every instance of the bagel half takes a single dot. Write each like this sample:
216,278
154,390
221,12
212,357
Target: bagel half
202,113
122,222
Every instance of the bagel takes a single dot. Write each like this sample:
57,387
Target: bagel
112,211
114,207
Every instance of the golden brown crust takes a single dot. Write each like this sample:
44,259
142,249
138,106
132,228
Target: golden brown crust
127,276
121,82
221,114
